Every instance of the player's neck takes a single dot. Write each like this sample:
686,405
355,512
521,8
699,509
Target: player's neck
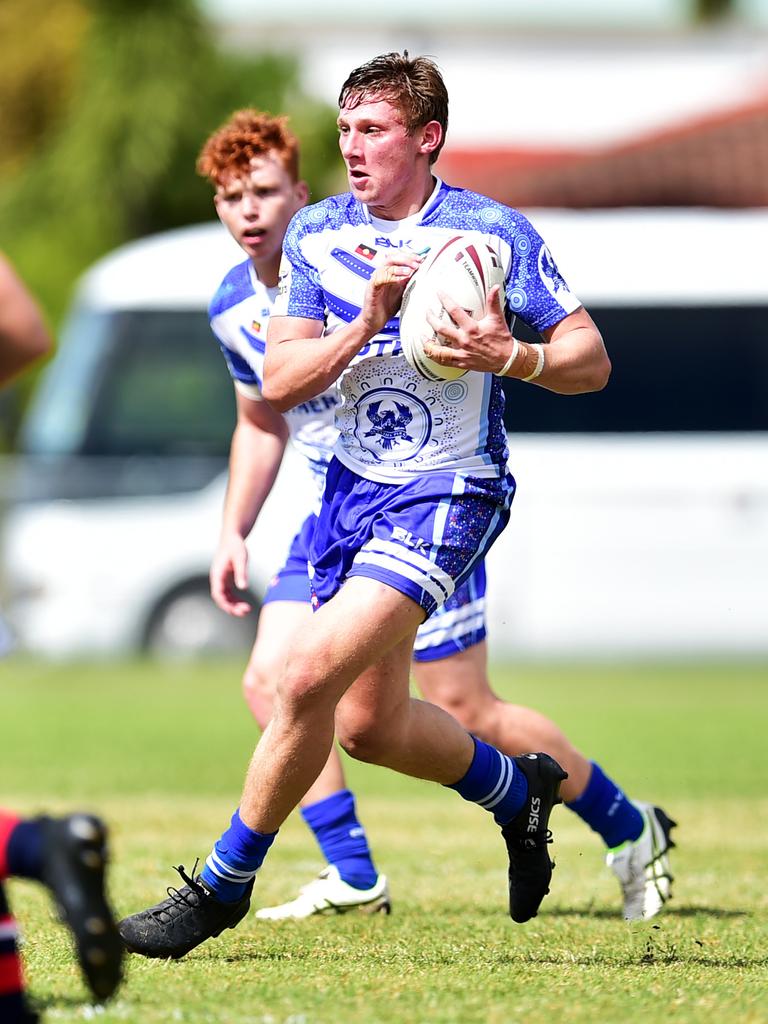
407,204
267,271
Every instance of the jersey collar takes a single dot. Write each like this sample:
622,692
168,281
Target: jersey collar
406,222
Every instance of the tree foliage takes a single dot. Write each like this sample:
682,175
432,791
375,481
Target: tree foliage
712,10
103,122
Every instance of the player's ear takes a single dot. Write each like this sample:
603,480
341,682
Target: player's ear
301,192
431,136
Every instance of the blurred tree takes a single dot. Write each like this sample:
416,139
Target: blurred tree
36,72
105,104
713,10
100,147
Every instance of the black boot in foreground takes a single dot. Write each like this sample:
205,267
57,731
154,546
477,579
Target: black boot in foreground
189,916
527,836
74,866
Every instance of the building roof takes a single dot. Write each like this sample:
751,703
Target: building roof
717,160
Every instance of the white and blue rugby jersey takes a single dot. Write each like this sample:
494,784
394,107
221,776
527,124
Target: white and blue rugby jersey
239,314
393,422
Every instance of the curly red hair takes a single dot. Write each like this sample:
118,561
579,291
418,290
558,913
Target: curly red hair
247,134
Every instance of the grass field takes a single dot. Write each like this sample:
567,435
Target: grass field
161,751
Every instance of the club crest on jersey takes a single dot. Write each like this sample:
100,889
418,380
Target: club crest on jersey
550,275
365,251
392,425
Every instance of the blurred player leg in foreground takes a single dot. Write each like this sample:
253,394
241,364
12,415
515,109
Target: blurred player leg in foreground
68,855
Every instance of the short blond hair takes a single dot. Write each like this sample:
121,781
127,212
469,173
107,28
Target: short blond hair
413,84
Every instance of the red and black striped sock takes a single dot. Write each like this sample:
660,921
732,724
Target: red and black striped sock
13,1006
8,823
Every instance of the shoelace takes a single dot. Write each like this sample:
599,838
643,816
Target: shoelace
176,896
532,842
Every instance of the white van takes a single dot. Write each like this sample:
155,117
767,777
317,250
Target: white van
116,505
641,520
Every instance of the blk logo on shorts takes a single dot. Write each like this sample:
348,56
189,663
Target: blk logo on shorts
407,538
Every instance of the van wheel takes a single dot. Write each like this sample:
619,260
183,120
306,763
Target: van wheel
187,624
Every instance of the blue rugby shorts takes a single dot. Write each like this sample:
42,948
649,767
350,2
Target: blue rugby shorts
423,537
455,626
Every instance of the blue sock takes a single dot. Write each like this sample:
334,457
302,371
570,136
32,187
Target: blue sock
235,859
607,810
342,838
493,781
24,852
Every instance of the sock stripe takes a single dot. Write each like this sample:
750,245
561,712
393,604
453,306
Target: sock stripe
502,788
493,783
226,871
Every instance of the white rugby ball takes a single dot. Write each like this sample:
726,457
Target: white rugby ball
464,268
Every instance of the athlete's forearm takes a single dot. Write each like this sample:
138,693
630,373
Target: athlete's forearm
297,369
576,364
24,336
573,361
254,461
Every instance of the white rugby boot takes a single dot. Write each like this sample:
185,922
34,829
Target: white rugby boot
642,865
329,894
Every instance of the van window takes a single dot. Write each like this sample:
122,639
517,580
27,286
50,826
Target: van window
136,382
674,369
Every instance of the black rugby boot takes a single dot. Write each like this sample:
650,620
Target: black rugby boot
527,836
188,917
74,865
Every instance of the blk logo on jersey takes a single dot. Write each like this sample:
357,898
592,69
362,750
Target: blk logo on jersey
392,425
387,243
366,251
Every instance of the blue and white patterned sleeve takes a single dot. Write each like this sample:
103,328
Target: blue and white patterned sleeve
536,291
300,292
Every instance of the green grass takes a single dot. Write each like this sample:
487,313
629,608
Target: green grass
161,751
